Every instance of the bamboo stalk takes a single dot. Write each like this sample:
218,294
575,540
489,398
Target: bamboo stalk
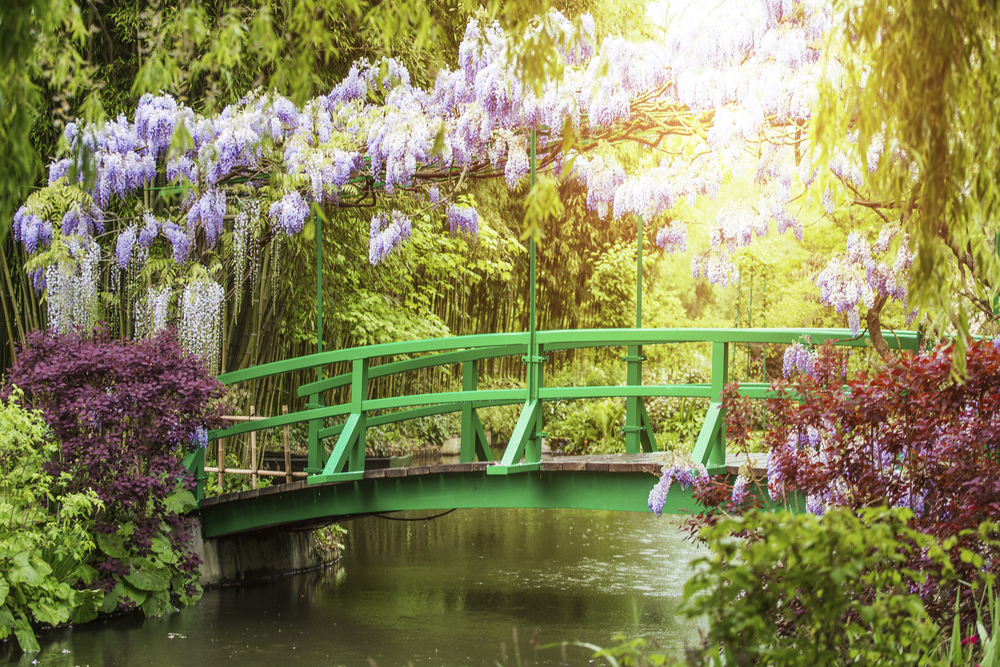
221,463
253,455
10,291
262,473
288,450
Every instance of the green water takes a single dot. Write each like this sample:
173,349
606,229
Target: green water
452,591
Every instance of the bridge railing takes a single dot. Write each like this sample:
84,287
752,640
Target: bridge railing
523,452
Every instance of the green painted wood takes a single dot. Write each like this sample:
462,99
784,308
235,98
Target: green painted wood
281,420
647,436
524,431
670,390
314,502
373,351
470,382
458,356
194,463
482,396
341,456
710,449
563,340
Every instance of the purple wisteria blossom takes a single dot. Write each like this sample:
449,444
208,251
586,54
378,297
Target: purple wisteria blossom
385,235
463,218
289,213
798,358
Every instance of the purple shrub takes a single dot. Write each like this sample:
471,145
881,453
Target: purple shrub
124,412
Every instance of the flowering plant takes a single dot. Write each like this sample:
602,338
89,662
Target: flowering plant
125,413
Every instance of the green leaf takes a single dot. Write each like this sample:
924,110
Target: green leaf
50,612
4,589
181,502
132,593
110,602
88,604
148,576
156,604
25,636
28,571
6,621
112,544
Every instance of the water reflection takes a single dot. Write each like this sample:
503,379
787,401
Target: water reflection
444,592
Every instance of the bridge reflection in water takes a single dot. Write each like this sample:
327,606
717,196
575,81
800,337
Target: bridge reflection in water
338,484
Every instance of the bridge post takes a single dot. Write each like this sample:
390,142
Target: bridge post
473,437
317,453
710,450
639,435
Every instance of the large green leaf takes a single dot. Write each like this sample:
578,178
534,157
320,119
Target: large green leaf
25,636
157,603
110,602
6,621
29,570
88,602
164,552
4,589
112,544
148,576
181,501
132,593
50,611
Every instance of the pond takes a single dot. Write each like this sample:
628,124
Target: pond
472,587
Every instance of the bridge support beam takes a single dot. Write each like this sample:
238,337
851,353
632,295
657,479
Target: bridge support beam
710,450
525,441
347,460
474,441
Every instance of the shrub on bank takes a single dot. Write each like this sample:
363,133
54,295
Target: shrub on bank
124,413
45,538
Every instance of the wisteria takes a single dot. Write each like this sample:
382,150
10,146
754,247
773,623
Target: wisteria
863,273
463,218
714,102
798,358
289,213
685,474
387,234
71,287
200,327
151,314
740,489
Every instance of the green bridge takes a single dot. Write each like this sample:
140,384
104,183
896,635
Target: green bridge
338,485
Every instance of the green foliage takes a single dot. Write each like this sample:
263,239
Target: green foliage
805,590
933,91
151,579
45,541
612,285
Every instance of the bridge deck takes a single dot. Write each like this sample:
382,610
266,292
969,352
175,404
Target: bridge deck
642,463
617,482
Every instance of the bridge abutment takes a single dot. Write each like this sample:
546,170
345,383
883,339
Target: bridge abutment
262,554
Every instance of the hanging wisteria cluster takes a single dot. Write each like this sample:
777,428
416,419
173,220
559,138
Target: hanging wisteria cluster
201,321
72,287
705,104
866,272
685,474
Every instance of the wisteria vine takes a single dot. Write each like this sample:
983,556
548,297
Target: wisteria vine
705,104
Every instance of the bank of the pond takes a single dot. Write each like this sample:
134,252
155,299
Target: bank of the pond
449,591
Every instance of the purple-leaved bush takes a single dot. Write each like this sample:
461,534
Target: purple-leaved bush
124,412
